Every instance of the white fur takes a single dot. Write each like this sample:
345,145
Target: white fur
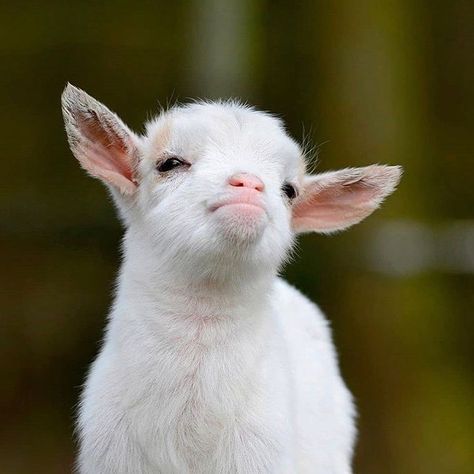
210,363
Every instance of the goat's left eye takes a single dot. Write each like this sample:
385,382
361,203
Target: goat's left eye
170,164
289,191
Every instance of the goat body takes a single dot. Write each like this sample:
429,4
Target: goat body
211,363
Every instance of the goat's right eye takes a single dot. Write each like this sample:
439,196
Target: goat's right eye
289,191
169,164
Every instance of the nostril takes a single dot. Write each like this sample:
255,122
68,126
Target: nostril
245,180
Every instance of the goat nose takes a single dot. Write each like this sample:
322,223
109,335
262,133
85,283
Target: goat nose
246,180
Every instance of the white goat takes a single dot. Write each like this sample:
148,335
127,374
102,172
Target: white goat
211,363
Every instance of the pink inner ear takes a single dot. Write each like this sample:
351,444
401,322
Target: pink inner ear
106,154
334,201
351,194
335,206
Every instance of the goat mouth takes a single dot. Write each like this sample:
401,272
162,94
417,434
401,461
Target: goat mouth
245,202
242,205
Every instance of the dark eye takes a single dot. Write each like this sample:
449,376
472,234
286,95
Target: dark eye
289,191
169,164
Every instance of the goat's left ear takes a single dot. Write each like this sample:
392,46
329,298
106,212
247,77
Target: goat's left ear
336,200
102,143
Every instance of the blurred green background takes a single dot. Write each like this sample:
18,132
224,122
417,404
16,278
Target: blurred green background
365,82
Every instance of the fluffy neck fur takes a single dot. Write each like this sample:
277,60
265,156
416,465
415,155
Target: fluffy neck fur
197,346
203,307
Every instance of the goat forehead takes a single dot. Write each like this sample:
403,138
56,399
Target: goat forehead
222,127
227,116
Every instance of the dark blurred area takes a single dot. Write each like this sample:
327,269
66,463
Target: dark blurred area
364,82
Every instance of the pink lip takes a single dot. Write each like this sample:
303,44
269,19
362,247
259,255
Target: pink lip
245,198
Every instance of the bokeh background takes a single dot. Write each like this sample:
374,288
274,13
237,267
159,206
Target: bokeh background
364,81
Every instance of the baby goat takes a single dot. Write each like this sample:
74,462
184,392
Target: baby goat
211,363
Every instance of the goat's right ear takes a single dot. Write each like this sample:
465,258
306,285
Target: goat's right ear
105,147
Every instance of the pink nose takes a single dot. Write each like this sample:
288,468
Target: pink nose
245,180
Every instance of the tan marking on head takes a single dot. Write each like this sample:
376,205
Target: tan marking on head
162,137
